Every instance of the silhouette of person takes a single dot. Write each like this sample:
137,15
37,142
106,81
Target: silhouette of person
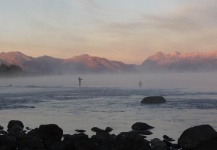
140,83
79,80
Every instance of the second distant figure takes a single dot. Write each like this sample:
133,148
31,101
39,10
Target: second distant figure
79,80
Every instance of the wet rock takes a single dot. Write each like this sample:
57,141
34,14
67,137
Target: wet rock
193,136
50,134
157,144
7,142
139,126
153,100
15,125
130,141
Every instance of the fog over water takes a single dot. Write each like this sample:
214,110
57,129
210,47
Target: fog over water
155,80
111,100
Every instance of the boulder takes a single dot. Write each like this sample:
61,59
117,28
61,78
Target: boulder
130,141
80,142
140,126
193,136
157,144
102,137
31,143
7,142
210,144
153,100
50,134
15,125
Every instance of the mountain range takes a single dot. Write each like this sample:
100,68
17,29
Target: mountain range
181,62
159,62
77,64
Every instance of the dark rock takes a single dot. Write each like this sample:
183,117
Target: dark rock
143,132
108,129
171,145
34,132
157,144
16,125
79,142
210,144
96,129
102,137
153,100
7,142
3,132
168,138
1,127
141,126
75,138
50,134
30,142
130,141
80,131
28,128
193,136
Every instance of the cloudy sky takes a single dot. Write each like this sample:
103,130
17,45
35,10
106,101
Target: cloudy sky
125,30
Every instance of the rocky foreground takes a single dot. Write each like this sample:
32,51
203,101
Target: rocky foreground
50,137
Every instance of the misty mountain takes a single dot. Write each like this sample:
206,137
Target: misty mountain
16,58
77,64
181,62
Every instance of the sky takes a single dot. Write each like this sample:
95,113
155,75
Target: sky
124,30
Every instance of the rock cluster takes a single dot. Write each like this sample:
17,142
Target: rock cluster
50,137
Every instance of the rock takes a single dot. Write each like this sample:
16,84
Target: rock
171,145
7,142
3,132
168,138
141,126
157,144
102,137
108,129
1,127
28,128
31,143
16,124
50,134
142,132
130,141
210,144
80,131
153,100
193,136
96,129
80,142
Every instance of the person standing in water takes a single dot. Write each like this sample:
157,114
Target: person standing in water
140,83
79,80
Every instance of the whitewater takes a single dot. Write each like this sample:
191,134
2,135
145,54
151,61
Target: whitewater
111,101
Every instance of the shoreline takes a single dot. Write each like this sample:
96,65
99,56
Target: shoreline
51,137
